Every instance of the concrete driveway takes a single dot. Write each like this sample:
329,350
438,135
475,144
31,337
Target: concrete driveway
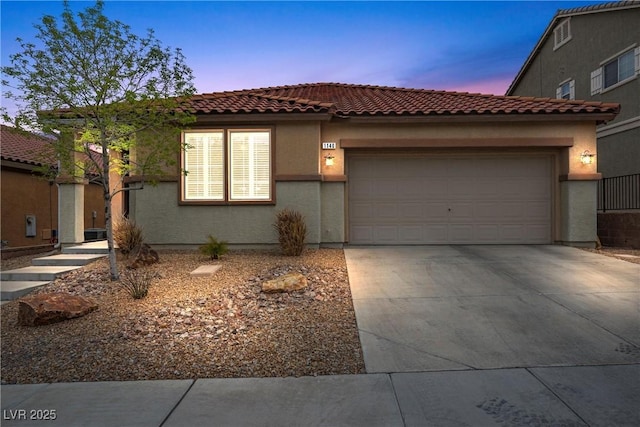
432,308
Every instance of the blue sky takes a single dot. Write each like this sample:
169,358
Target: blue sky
475,46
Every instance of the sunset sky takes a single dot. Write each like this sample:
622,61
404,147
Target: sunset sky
463,46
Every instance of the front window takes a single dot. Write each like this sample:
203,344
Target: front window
619,69
227,165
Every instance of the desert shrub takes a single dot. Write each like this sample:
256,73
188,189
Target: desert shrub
292,231
214,248
137,282
127,235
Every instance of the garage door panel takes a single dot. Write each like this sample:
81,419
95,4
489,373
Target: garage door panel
361,211
385,234
538,210
538,233
461,211
412,211
385,211
436,233
434,188
420,199
438,211
385,190
487,232
461,233
362,234
411,234
512,233
493,209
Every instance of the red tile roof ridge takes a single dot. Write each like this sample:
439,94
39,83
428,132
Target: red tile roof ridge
259,92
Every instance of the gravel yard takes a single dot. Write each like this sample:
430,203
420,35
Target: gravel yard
194,327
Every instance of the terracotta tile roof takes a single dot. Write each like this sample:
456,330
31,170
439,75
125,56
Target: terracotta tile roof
26,148
349,100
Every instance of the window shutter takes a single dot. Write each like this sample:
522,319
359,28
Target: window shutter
193,160
559,92
637,55
596,81
204,166
250,165
572,89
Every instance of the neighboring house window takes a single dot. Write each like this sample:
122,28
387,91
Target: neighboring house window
566,90
227,165
619,69
562,33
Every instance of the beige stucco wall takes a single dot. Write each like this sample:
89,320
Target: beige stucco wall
583,134
298,156
297,148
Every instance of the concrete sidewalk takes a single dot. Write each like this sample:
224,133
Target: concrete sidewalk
562,396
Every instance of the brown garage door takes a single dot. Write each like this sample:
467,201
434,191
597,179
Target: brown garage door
448,200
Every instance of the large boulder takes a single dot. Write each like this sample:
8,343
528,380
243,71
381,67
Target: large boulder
287,283
144,256
43,309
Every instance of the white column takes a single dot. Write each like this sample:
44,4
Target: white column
71,214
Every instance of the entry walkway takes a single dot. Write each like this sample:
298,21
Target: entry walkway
19,282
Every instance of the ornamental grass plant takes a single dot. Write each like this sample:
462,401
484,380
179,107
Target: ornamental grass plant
292,231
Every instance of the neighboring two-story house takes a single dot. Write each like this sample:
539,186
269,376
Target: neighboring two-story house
593,53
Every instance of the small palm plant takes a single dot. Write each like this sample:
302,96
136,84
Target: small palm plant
214,248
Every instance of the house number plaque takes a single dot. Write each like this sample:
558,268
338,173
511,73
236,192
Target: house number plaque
328,145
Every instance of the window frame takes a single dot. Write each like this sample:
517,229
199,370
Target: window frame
570,84
598,75
616,61
227,167
560,35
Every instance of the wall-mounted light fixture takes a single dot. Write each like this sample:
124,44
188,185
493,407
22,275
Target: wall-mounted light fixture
586,157
328,160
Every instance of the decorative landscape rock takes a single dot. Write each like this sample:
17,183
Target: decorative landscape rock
44,309
288,283
144,256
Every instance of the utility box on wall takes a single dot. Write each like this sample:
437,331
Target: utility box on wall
31,225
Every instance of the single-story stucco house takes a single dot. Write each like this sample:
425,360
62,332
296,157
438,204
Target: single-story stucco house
380,165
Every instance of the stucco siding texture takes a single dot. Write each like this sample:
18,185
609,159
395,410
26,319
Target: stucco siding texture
619,154
165,222
579,215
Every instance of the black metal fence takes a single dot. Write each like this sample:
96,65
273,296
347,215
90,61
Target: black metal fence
619,193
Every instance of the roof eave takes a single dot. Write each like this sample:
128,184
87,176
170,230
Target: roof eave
492,118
